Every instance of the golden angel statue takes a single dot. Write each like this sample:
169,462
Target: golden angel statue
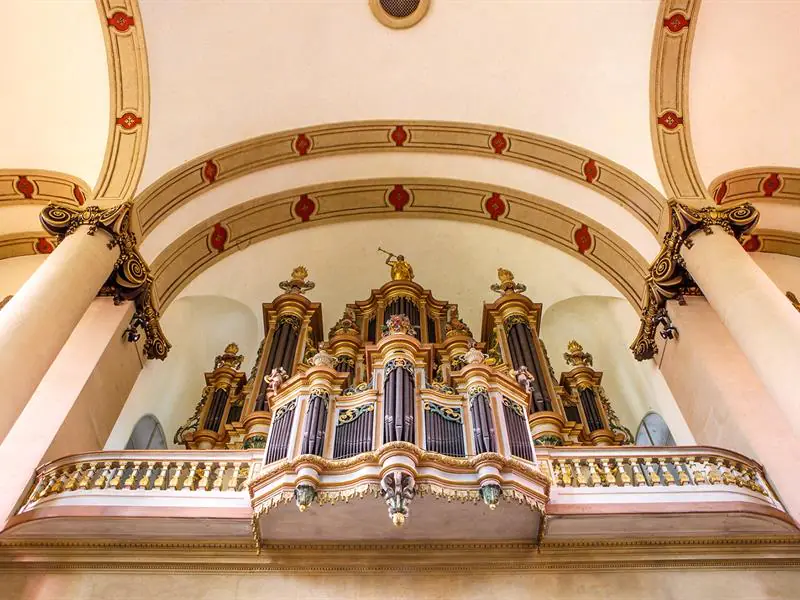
401,270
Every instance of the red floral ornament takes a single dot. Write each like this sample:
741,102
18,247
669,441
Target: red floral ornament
399,136
302,144
771,185
675,22
25,187
218,237
129,120
78,194
670,120
499,143
304,208
721,192
495,206
590,170
753,244
399,197
583,239
43,246
210,171
120,21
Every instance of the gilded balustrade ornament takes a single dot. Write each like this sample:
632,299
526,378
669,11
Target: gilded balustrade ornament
669,279
130,279
297,283
507,284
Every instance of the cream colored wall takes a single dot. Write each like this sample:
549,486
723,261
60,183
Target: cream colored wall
565,585
55,100
782,269
605,326
15,271
199,328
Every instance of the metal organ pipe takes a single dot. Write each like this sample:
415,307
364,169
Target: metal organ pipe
483,426
589,403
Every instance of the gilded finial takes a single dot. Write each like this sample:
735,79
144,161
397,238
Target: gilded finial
507,284
576,357
229,358
297,284
400,269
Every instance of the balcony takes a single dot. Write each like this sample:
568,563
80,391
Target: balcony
568,494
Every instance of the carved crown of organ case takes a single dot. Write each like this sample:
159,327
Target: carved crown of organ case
400,366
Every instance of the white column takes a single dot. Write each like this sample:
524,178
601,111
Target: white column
39,319
759,317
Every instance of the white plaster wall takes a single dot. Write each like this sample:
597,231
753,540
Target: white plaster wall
606,327
225,71
54,100
199,328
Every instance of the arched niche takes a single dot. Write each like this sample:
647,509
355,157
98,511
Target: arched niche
605,325
199,326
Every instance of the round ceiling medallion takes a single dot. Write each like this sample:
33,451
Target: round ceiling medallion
399,14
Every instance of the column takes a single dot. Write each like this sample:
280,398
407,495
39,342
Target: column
759,317
39,319
723,400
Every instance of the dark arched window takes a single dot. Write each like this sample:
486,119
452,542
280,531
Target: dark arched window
653,431
147,434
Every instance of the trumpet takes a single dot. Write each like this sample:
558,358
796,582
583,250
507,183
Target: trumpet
386,252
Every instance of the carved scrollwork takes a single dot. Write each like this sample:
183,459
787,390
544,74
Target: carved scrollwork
669,279
130,278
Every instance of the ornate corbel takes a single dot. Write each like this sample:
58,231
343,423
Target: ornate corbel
669,279
130,279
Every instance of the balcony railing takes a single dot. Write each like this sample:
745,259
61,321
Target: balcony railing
595,492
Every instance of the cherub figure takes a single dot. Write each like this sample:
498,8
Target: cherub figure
276,379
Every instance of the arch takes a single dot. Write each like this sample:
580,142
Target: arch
669,99
264,217
147,434
654,431
181,185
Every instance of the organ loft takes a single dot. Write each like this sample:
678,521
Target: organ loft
401,366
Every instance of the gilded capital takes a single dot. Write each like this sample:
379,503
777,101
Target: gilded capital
668,278
130,279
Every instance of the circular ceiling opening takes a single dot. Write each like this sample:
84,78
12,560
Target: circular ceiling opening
399,14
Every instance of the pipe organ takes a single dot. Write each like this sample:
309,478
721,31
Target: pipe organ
401,366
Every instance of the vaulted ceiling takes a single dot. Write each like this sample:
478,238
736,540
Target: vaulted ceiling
597,111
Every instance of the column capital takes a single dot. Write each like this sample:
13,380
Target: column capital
130,278
668,278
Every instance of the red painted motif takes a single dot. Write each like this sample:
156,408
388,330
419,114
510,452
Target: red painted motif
210,171
129,120
399,197
495,206
771,185
670,120
302,144
399,135
721,192
499,143
583,239
78,194
675,22
121,21
590,170
25,187
304,207
218,237
43,246
753,244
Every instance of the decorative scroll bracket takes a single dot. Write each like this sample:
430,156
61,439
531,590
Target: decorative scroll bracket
130,278
669,279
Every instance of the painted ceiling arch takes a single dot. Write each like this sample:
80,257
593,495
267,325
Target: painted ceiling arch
386,199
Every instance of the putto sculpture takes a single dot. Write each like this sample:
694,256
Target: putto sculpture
275,379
